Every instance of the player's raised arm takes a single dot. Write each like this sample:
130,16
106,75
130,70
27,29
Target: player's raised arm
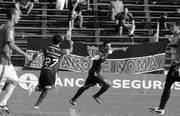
70,42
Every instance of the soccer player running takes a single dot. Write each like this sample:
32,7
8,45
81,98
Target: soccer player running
94,74
52,56
173,73
7,45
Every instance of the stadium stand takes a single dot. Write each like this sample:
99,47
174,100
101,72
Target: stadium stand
45,20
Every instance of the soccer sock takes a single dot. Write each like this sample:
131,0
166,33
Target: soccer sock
41,97
79,92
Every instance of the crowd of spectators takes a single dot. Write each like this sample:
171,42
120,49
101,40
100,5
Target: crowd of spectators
24,4
119,13
75,13
115,8
125,21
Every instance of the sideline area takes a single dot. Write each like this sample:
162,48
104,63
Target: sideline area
130,95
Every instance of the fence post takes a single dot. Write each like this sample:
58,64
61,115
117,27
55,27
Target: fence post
96,20
147,15
44,21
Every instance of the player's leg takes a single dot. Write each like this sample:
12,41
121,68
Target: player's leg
2,77
89,83
30,6
78,93
105,85
41,98
41,83
10,88
46,83
170,79
12,77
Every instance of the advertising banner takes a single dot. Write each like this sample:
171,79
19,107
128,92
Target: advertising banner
138,58
124,84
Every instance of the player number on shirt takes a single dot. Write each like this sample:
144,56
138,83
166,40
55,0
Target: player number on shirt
49,62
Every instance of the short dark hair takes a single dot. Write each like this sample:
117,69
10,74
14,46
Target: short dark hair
57,39
105,43
10,12
125,7
163,14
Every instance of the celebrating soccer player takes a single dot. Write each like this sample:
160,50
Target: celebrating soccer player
94,74
50,67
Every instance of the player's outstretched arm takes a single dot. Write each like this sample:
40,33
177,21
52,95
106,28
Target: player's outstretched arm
14,47
121,48
95,57
38,54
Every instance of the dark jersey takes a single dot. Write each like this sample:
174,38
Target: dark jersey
52,58
97,64
128,18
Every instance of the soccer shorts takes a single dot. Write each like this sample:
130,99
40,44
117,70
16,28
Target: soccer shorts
7,72
46,78
93,80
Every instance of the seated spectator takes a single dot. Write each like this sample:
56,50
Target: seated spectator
155,37
87,3
115,8
25,4
125,21
75,13
178,10
60,4
162,21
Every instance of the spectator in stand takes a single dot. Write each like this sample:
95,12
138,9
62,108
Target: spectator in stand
178,10
115,8
155,37
125,21
75,13
25,4
60,4
162,21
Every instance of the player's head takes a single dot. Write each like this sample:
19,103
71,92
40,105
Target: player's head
126,10
163,14
75,1
34,0
57,39
106,46
13,15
